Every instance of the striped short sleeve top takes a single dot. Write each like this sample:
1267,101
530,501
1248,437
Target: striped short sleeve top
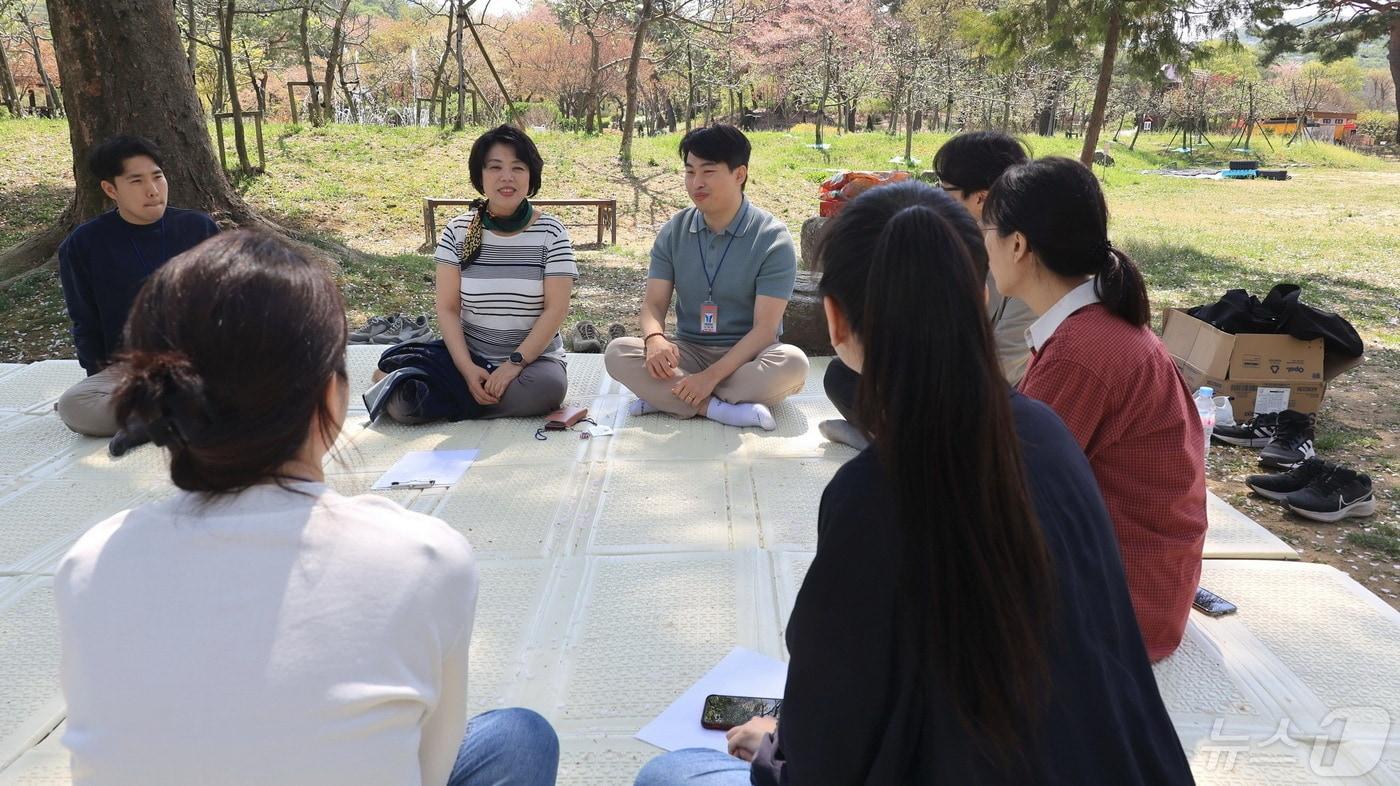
503,288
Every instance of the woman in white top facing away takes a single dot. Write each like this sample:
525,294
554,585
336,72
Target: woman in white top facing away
505,273
258,627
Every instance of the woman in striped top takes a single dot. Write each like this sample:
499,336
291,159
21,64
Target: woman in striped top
505,273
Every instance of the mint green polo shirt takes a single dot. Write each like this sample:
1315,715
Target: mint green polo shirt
761,260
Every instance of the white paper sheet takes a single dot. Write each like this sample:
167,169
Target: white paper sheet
426,469
741,673
1270,400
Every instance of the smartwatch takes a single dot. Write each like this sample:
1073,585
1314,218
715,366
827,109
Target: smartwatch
517,358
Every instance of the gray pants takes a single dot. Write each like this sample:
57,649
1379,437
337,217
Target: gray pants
539,390
87,407
778,372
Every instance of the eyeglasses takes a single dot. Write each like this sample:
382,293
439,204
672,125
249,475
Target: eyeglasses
990,228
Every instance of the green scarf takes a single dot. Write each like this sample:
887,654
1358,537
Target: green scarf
483,218
511,223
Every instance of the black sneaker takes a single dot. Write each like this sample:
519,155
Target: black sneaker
1278,486
1253,433
1341,493
1292,443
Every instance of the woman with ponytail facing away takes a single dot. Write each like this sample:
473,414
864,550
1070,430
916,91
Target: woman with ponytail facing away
1096,362
965,619
258,627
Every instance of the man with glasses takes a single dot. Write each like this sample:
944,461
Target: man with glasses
966,167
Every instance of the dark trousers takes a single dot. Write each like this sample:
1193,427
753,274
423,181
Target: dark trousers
841,384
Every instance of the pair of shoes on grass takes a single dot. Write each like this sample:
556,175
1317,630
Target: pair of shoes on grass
391,329
1318,490
587,340
1286,437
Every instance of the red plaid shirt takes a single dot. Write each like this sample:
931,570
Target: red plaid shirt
1120,394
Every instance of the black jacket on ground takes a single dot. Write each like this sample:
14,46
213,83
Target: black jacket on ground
849,714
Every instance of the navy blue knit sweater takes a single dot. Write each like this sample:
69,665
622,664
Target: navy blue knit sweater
103,265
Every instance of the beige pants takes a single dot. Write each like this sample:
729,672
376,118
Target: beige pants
778,372
87,406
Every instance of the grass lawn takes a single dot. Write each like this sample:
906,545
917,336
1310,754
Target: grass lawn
1334,229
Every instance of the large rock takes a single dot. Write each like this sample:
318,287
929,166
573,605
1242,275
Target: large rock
811,237
804,322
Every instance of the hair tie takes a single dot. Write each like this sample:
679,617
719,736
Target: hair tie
165,431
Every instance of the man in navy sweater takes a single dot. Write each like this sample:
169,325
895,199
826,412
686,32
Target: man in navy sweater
104,262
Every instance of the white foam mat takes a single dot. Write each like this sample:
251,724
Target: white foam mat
617,570
42,519
31,702
34,444
1233,535
36,386
1301,685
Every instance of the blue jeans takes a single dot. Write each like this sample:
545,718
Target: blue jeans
694,767
510,747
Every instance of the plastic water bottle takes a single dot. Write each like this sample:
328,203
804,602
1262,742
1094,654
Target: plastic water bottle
1205,405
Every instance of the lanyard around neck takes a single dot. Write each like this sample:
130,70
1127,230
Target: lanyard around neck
699,245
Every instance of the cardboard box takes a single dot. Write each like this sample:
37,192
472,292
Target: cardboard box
1259,372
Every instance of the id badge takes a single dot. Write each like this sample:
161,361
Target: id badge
709,318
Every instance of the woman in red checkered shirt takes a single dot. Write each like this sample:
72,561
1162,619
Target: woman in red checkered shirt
1097,363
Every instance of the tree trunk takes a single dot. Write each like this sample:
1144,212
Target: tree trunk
191,46
8,94
826,86
142,92
690,88
349,94
240,143
1110,53
333,58
50,92
594,121
313,104
495,75
460,121
1393,52
629,115
259,88
441,70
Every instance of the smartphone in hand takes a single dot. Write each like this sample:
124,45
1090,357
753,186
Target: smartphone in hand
722,713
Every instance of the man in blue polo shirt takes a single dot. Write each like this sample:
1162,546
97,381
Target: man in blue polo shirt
103,264
731,267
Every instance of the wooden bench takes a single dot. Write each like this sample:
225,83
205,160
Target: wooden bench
607,214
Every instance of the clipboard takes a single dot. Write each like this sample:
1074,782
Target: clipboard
425,469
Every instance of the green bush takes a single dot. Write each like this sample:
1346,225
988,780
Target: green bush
1376,124
538,113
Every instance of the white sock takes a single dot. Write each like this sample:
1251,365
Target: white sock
640,407
741,415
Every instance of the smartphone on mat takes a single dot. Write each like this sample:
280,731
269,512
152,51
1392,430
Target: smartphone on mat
723,713
1212,604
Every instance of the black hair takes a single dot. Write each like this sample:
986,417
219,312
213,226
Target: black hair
901,263
107,160
972,161
720,143
1058,205
518,141
215,372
